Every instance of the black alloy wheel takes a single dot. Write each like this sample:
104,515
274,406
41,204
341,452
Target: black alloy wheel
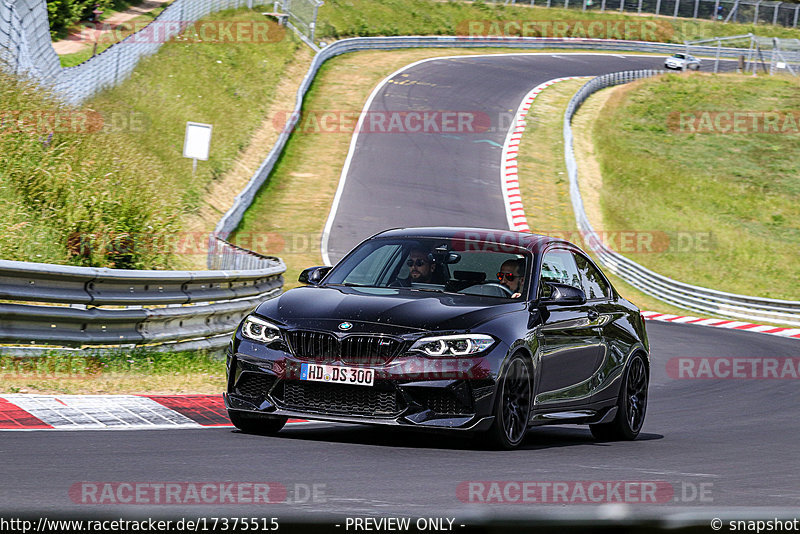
513,405
631,405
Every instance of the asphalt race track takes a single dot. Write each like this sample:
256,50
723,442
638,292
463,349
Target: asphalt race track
716,442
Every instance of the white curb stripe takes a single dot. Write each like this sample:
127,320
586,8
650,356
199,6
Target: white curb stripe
80,412
510,150
723,323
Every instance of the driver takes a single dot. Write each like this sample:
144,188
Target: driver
420,268
510,275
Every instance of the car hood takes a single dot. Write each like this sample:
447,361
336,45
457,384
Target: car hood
399,308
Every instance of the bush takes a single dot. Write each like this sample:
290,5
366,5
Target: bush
64,13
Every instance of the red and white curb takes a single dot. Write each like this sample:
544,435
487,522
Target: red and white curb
22,411
515,212
723,323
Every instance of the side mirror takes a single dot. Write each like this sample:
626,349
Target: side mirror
564,294
314,275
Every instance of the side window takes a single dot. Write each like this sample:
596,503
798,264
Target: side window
558,265
594,285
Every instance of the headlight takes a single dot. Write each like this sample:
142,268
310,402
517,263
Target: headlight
454,345
258,329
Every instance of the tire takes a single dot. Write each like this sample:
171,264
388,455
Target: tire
631,405
512,406
265,425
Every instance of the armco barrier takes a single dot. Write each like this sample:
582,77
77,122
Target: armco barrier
677,293
120,308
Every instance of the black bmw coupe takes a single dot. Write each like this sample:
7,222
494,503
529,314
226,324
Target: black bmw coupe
471,330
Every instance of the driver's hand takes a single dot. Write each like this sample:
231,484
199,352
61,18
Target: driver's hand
516,295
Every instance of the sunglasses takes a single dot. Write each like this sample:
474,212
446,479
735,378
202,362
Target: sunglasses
508,276
418,263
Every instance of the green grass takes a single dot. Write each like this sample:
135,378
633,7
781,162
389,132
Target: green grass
352,18
742,189
54,186
129,181
136,371
228,85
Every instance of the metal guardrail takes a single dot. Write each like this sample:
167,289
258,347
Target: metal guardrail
120,308
679,294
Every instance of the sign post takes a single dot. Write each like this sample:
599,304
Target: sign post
196,143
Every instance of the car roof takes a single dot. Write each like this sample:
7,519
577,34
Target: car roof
491,235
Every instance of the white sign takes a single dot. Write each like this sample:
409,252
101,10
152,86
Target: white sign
197,141
780,65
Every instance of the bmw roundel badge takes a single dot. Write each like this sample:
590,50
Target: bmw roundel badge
345,326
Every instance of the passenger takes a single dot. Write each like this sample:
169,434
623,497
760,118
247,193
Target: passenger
510,275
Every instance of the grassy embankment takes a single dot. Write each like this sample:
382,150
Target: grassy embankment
128,183
741,189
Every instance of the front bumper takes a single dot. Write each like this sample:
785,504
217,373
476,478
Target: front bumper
411,391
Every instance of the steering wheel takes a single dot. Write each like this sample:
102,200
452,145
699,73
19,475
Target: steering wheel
507,292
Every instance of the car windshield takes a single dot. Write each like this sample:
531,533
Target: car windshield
678,56
441,265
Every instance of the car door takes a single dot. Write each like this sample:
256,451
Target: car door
569,338
599,296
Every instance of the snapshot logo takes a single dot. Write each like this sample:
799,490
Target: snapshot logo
734,368
735,122
161,31
393,122
583,492
69,121
188,493
635,30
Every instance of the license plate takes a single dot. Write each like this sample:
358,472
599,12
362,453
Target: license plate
337,374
